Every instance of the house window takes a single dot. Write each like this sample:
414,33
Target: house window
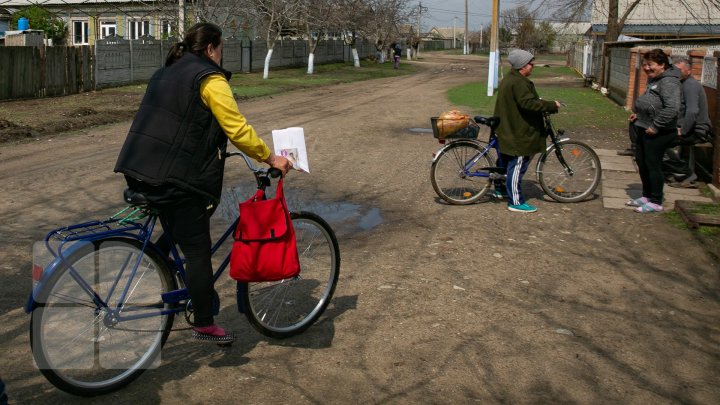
138,28
165,29
80,32
108,28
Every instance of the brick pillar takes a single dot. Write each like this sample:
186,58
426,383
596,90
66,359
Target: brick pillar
697,59
634,69
642,77
716,128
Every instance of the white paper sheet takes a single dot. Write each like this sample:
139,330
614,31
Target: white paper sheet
290,143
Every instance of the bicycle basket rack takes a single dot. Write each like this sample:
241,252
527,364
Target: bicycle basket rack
123,223
458,129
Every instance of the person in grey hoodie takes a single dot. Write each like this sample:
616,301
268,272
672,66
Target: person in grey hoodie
655,122
693,127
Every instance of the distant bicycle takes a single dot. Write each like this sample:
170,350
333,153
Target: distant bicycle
104,307
464,170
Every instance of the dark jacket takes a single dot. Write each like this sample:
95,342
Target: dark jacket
397,51
659,106
694,112
175,141
521,130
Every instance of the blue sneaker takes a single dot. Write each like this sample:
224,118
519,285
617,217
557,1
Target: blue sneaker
522,208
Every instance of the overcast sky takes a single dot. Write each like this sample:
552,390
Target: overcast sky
440,13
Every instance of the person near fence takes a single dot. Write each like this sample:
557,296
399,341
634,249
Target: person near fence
655,127
397,53
174,156
694,127
521,132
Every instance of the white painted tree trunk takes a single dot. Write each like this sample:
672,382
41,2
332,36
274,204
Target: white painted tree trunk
356,58
266,70
409,53
311,63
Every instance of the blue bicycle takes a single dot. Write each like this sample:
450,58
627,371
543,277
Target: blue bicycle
104,306
464,170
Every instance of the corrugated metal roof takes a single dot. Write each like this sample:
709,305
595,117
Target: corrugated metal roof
22,3
663,29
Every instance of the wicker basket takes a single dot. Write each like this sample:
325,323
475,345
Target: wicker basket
454,128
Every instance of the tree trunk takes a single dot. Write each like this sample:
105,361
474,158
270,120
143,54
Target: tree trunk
613,28
311,63
266,69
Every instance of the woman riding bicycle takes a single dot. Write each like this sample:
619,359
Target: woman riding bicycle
174,156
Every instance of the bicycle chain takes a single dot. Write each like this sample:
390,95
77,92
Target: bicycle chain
188,312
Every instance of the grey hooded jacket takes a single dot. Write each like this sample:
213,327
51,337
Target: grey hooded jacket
695,115
659,107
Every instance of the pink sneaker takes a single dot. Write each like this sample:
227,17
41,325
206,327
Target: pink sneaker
638,202
213,333
649,207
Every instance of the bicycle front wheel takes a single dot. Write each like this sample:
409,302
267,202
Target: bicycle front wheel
459,174
78,344
285,308
578,181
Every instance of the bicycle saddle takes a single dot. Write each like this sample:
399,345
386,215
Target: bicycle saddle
492,122
134,197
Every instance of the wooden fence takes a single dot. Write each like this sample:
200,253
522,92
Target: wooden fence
28,72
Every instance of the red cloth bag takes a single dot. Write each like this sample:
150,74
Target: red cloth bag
265,248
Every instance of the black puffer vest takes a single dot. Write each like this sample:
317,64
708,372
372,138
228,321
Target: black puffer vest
175,140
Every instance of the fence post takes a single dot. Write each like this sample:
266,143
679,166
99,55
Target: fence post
716,129
697,60
132,63
633,78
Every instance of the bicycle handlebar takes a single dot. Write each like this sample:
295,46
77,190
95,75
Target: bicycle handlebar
258,171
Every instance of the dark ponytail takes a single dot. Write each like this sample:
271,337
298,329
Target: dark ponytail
196,40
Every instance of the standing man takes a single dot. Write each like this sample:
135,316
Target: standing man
521,132
693,127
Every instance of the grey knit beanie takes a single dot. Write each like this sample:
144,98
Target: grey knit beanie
519,58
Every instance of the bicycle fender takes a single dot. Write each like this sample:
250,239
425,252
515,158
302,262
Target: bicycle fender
464,141
547,150
48,271
51,268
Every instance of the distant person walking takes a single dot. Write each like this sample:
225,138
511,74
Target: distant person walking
397,53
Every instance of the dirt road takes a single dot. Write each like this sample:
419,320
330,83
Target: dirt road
436,303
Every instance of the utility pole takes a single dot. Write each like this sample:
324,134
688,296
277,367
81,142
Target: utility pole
454,35
481,36
465,40
421,9
494,63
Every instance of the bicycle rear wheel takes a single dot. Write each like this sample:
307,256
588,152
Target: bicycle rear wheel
285,308
558,183
459,175
76,344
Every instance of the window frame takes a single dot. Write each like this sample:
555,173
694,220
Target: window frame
133,24
107,24
84,31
